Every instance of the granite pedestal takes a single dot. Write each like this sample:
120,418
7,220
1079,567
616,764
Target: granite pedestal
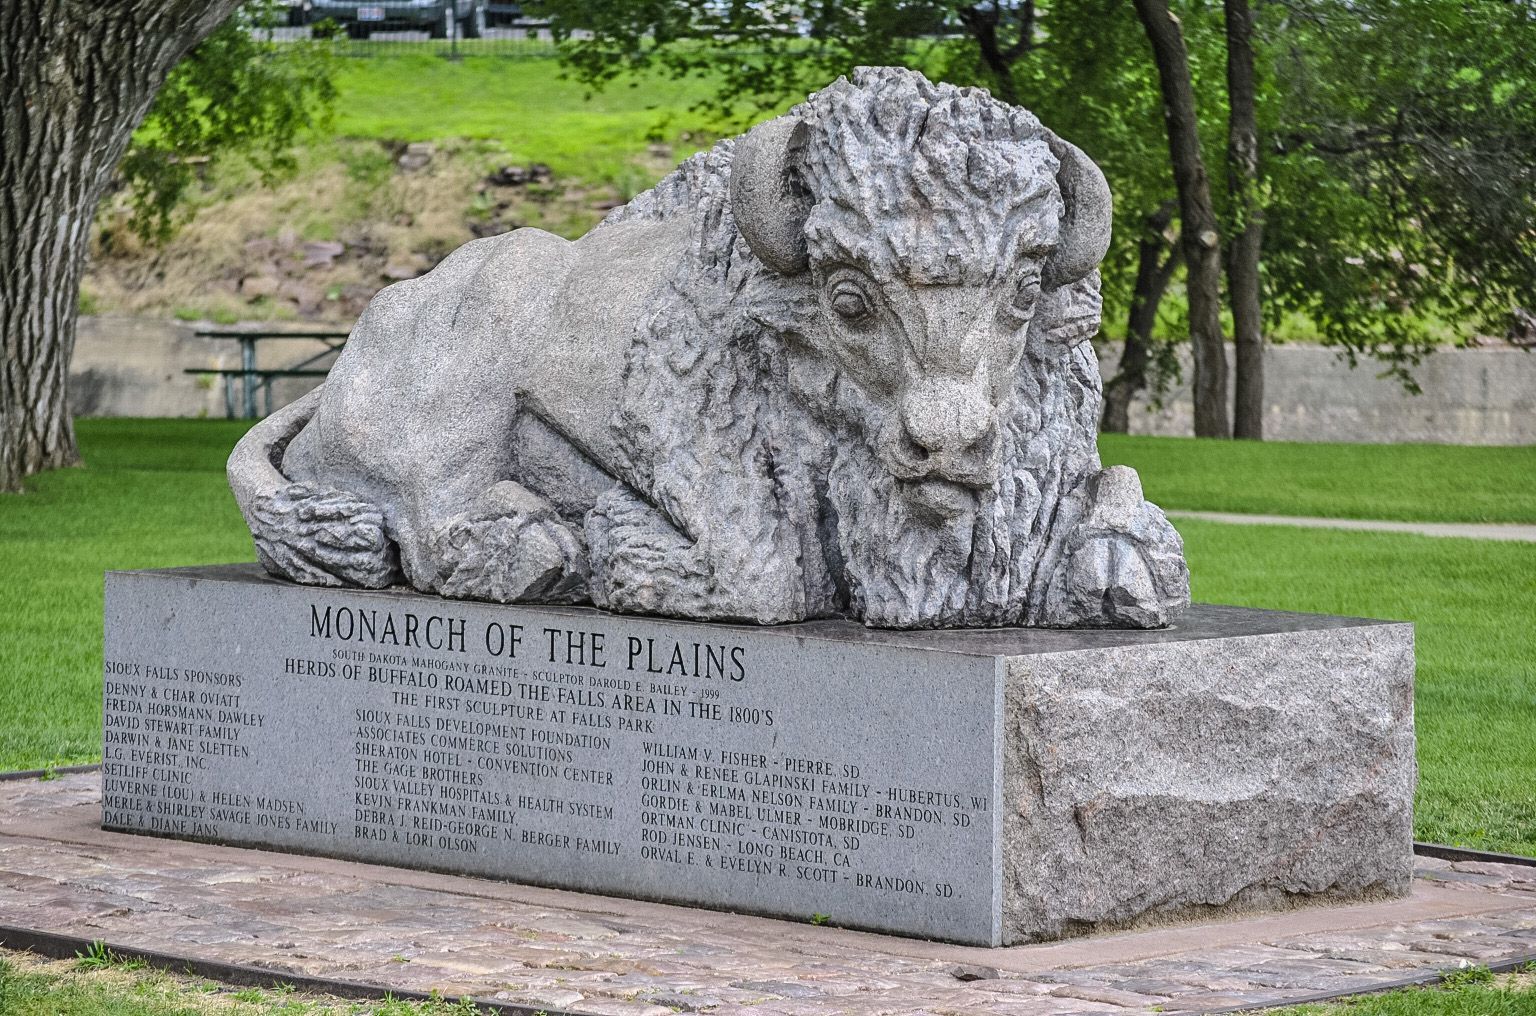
982,787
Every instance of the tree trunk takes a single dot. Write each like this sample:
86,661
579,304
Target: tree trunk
1198,236
1155,264
1248,230
75,80
982,21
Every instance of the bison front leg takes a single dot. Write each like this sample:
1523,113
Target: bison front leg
510,546
642,564
1122,565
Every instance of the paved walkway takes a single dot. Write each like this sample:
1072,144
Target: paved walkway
1466,530
408,930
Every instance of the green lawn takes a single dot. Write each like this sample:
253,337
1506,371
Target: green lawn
1473,992
1431,483
33,987
152,494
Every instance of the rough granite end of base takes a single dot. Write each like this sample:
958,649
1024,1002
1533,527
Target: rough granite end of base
1197,778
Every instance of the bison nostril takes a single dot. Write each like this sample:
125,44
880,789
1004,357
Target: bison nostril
910,449
981,448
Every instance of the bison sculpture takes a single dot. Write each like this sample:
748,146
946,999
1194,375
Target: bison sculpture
836,367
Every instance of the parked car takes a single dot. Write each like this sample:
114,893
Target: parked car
300,12
435,17
502,13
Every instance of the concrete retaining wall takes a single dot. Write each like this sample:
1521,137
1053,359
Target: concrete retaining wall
127,366
1470,396
130,366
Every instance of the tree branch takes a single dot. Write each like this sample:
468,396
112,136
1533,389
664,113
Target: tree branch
1026,37
981,20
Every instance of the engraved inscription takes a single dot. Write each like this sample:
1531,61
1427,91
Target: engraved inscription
719,766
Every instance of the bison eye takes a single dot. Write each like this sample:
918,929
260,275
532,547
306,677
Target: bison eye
850,303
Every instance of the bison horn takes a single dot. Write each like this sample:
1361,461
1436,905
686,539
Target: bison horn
768,201
1086,222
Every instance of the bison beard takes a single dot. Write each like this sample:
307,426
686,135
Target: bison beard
988,565
904,567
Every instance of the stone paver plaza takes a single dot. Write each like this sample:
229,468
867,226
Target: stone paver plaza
408,930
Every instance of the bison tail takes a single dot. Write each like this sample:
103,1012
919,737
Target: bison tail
310,534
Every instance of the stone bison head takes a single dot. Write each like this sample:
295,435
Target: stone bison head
945,237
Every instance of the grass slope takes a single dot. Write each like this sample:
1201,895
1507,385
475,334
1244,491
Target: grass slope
153,495
482,113
1413,482
522,102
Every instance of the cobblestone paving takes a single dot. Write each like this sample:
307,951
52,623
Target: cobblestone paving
590,954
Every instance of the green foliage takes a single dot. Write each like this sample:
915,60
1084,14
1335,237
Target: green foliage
98,957
235,93
1403,191
1468,975
1395,138
1096,81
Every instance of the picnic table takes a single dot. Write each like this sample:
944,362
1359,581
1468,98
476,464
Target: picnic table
252,379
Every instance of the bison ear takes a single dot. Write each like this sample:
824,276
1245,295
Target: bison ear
1085,224
768,201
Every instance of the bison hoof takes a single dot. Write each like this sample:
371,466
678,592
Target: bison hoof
527,554
1126,567
323,538
1107,584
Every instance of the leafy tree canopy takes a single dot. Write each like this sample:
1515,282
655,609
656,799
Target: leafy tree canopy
1395,138
237,92
1402,179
